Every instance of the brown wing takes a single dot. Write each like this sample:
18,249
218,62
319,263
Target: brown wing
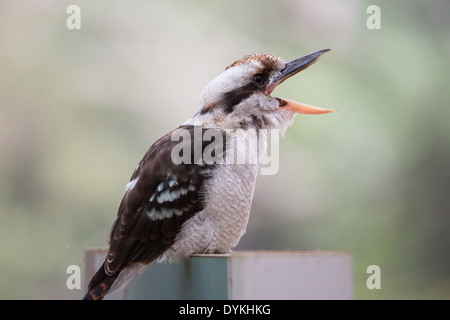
164,196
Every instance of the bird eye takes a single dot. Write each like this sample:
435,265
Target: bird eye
259,79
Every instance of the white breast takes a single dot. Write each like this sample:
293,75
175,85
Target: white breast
220,225
229,207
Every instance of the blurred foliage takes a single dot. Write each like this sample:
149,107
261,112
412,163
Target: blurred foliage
79,108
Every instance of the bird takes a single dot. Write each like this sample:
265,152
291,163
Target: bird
178,203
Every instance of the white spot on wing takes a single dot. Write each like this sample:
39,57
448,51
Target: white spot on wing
130,185
152,214
173,183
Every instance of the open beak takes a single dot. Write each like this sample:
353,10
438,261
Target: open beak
291,68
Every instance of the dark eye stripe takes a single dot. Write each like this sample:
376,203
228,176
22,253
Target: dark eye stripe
232,98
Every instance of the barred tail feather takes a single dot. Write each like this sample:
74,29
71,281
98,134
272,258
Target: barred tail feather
99,285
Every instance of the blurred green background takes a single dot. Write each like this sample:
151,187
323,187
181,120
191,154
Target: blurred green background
79,108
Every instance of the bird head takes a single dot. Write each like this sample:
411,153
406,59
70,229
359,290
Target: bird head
240,97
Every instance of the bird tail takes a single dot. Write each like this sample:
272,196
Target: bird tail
100,284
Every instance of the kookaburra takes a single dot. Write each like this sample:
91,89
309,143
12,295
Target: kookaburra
172,209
